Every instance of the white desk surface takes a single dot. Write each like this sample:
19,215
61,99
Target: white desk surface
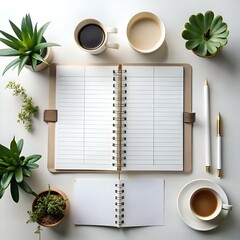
223,73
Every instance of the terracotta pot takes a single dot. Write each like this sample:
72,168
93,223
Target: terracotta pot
64,196
41,66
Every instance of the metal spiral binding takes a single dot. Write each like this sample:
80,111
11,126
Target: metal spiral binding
119,118
119,209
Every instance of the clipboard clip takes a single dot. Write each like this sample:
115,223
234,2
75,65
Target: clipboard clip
50,115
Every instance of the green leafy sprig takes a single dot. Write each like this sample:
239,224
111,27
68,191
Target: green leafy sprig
29,109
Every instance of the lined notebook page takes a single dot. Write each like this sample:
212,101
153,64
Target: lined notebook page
84,100
154,118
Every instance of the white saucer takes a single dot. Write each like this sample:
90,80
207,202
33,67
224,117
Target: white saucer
184,209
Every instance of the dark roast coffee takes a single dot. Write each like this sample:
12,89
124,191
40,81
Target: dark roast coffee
91,36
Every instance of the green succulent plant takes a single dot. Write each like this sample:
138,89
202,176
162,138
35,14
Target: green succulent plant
205,34
14,168
28,45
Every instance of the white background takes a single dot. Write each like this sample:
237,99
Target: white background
223,73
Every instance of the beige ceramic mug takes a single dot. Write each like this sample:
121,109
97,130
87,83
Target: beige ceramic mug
206,204
92,37
145,32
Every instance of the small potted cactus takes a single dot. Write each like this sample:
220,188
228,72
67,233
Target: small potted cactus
205,34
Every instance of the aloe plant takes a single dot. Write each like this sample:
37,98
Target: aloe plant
28,45
205,34
14,168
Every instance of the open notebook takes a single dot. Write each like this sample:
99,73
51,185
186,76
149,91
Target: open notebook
119,203
120,117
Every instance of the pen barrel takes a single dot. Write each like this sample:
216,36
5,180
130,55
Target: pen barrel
219,152
207,126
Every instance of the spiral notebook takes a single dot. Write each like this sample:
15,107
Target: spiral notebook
124,117
119,203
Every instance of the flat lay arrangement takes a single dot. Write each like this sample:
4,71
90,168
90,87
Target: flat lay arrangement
130,130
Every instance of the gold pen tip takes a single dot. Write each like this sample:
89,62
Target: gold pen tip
208,169
219,173
206,82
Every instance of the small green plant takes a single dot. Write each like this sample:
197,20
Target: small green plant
28,44
29,109
205,34
14,168
48,208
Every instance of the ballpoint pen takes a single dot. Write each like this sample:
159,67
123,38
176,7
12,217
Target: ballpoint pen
207,128
219,146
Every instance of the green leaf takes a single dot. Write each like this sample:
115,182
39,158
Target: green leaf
222,28
14,147
19,174
9,43
27,188
191,35
14,191
32,165
3,164
219,40
221,35
194,23
191,28
39,58
20,146
33,158
29,24
22,63
211,47
9,52
1,192
16,30
34,64
41,32
200,21
191,44
4,152
208,18
216,24
12,39
202,49
13,63
44,45
27,172
6,179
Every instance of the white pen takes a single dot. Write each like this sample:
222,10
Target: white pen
207,127
219,146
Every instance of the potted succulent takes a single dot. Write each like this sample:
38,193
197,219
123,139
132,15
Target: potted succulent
205,34
49,208
14,168
29,46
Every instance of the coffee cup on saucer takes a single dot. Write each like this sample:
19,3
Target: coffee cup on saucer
92,36
206,204
145,32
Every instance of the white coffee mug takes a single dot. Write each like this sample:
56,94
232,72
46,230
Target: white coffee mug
206,204
92,37
145,32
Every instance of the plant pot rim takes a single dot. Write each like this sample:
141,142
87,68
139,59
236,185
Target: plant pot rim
64,196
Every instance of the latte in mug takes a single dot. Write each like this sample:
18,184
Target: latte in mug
206,204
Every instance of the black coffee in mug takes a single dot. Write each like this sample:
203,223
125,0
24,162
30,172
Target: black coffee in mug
91,36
